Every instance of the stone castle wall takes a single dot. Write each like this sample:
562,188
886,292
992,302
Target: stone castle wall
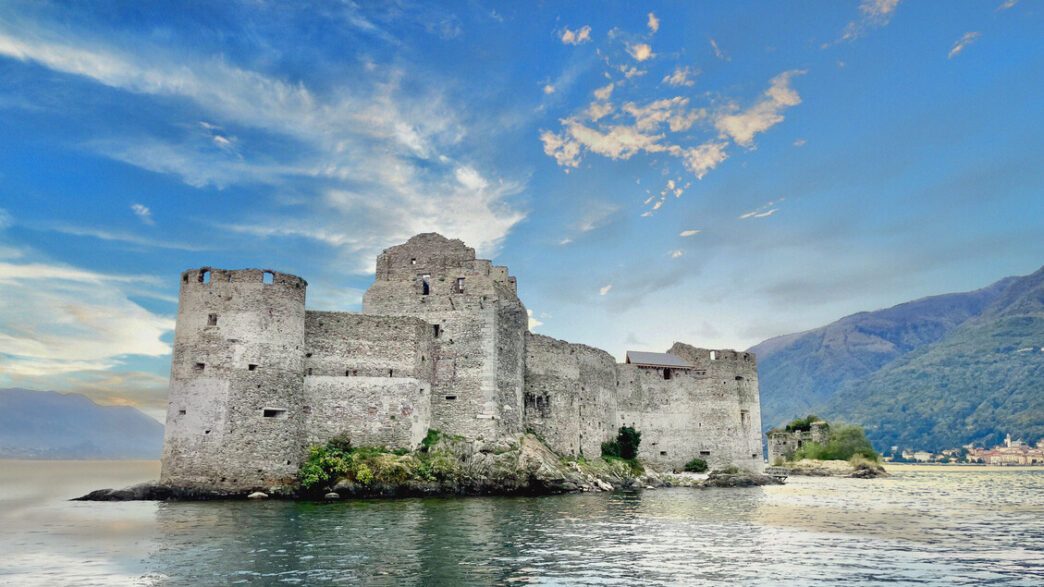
234,413
369,377
443,344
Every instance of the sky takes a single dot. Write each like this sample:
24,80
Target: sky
713,173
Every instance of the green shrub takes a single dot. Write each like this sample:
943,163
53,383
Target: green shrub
431,439
803,424
341,442
324,463
625,446
696,466
843,442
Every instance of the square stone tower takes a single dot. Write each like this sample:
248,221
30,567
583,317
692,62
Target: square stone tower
478,324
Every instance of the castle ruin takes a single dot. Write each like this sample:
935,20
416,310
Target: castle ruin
442,343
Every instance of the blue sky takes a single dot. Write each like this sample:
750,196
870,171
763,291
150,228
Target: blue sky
712,173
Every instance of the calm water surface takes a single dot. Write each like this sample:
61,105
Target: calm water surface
932,525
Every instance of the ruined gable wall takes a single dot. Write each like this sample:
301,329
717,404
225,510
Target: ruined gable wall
238,348
369,377
480,321
570,395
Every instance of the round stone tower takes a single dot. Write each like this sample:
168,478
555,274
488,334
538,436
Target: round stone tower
234,414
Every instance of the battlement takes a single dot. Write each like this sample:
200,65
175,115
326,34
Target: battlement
210,275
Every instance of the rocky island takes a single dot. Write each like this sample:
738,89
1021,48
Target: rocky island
260,387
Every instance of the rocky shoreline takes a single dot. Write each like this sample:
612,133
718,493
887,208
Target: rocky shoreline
860,469
469,468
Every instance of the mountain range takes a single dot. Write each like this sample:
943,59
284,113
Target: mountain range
49,425
934,373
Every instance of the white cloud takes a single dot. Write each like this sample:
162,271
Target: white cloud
718,52
689,233
764,210
963,42
640,51
143,213
125,237
604,92
387,143
800,143
680,77
1007,4
764,114
565,241
60,319
598,110
533,322
549,89
875,14
576,37
703,158
605,289
675,253
654,23
5,219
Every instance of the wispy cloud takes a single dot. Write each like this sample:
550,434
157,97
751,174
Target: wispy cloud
581,35
764,114
143,213
1007,4
961,43
125,237
689,233
60,319
764,210
653,23
718,52
675,253
800,143
682,76
874,14
360,153
605,289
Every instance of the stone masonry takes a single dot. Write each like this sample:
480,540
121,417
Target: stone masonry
442,343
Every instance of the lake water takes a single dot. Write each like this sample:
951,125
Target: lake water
931,525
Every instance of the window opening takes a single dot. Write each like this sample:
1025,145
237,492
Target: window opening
460,285
451,397
390,373
251,367
714,355
425,285
436,329
739,378
181,412
273,413
663,453
268,278
666,373
200,366
413,261
309,370
704,453
204,276
212,320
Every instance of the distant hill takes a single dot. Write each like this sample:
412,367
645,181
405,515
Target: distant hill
49,425
933,373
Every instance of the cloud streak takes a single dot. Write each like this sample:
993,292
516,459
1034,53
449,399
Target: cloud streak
961,43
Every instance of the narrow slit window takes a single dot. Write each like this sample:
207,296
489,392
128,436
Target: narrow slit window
251,367
425,285
666,373
309,370
390,373
460,285
199,366
451,397
273,413
212,320
663,453
436,330
704,453
268,278
181,412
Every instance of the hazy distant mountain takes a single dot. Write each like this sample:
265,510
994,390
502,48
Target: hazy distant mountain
931,373
49,425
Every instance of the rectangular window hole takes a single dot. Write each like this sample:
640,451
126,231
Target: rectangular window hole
704,453
451,397
199,366
309,370
251,367
436,329
268,278
663,453
212,320
181,412
204,276
273,413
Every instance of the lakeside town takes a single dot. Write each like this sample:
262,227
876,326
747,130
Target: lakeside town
1012,452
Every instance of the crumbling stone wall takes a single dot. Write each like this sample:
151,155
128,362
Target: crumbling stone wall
478,325
782,442
570,395
234,407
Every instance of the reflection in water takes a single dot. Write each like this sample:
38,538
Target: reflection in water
928,524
